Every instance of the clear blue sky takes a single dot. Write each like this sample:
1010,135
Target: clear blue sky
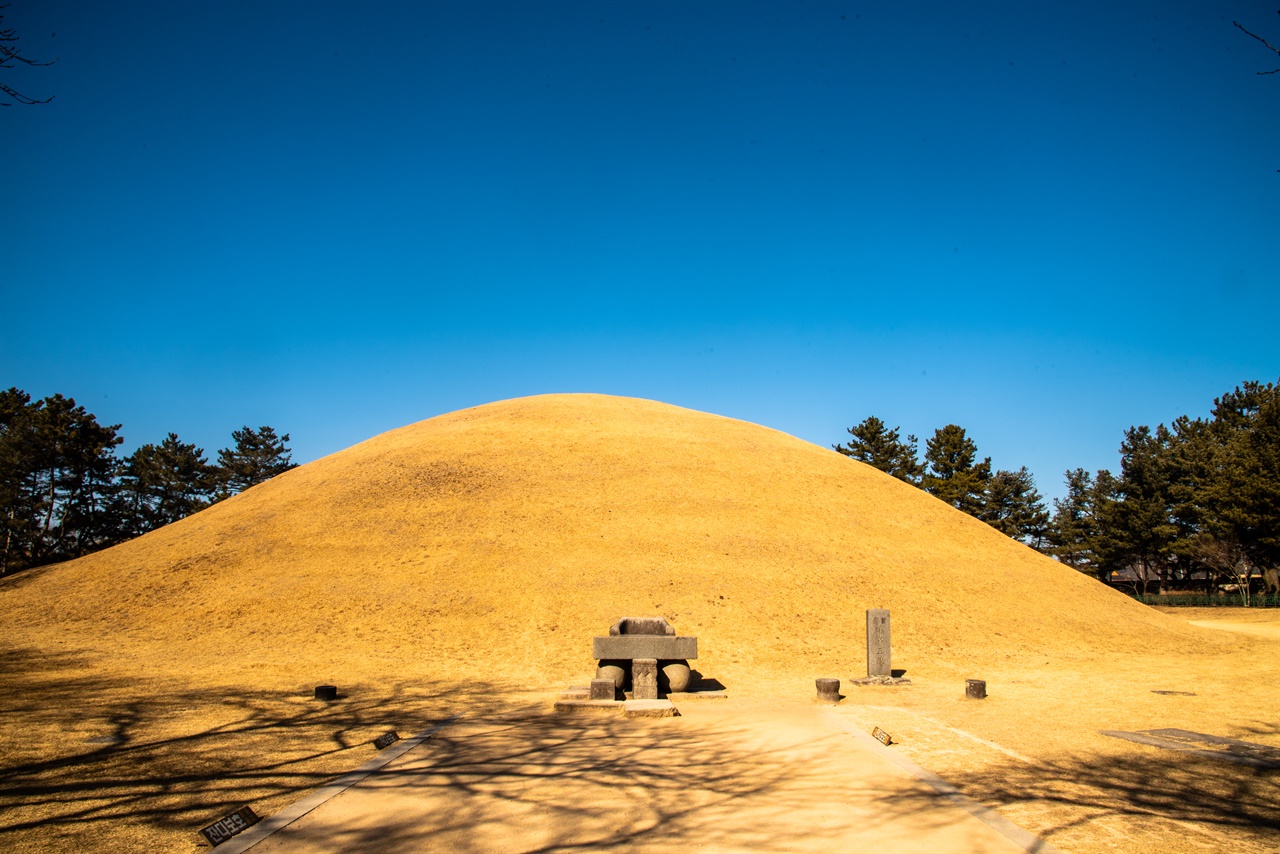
1044,222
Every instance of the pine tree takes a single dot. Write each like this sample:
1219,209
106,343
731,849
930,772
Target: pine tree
1234,502
1013,506
1073,531
258,456
876,445
57,467
166,482
20,498
1137,524
1112,550
953,475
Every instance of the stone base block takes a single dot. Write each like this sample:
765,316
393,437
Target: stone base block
882,680
650,709
644,678
602,689
588,707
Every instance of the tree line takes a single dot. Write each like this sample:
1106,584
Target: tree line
1006,500
65,492
1197,502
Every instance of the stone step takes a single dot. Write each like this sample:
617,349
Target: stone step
650,709
591,707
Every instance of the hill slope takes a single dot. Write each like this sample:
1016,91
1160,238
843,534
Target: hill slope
494,542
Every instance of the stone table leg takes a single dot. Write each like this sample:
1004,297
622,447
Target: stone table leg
644,678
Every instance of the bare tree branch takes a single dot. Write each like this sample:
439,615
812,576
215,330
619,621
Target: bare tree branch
19,97
1264,41
10,55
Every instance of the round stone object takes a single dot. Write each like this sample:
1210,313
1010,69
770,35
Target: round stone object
975,689
614,669
828,690
673,676
326,692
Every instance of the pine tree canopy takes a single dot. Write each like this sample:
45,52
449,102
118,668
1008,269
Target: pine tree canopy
875,444
1013,506
952,474
258,455
170,481
57,471
65,493
1073,531
1197,499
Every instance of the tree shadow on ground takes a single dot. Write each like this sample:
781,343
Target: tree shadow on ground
545,783
1160,790
94,760
89,759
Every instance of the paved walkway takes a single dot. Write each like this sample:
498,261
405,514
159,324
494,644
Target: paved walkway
726,776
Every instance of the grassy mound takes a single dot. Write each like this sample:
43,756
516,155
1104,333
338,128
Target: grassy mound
494,542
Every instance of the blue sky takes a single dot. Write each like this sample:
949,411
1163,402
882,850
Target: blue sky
1045,222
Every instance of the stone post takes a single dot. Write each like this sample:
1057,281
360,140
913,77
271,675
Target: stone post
644,678
828,690
878,649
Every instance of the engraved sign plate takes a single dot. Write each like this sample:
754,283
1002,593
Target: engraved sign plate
386,739
881,736
878,648
223,829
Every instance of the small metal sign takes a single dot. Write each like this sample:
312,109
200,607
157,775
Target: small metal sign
881,736
386,739
223,829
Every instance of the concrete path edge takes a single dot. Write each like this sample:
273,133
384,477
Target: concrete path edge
1026,840
296,810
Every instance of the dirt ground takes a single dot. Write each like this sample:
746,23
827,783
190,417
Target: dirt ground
727,775
94,763
1033,750
463,564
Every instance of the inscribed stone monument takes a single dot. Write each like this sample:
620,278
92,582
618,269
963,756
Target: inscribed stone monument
878,649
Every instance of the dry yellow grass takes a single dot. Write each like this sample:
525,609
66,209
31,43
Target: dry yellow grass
486,547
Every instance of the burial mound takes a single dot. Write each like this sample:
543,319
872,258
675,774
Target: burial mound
494,542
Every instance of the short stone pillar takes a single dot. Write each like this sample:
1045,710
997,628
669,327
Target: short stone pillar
644,678
879,655
828,690
975,689
602,689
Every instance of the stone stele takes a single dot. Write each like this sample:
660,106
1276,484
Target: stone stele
878,649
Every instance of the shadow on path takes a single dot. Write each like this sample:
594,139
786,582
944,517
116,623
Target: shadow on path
89,760
542,783
1147,790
